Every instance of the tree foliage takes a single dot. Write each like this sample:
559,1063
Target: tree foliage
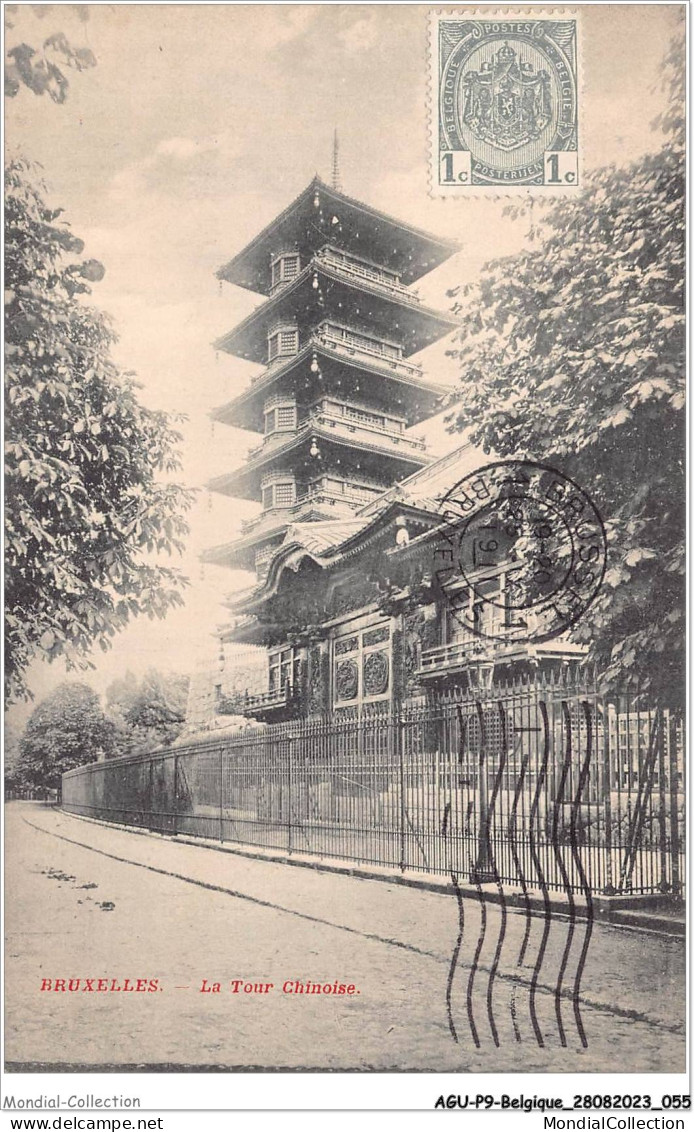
42,70
150,712
89,498
67,729
573,353
10,749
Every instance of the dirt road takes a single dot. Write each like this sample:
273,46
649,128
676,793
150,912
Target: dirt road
88,902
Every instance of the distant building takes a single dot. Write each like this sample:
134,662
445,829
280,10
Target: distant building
223,683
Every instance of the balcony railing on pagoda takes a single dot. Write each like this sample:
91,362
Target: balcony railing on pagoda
363,271
453,657
353,344
343,425
352,496
277,704
363,421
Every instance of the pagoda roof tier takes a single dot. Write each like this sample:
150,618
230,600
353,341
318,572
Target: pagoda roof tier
400,388
265,532
239,554
326,546
366,306
417,498
321,214
344,445
248,630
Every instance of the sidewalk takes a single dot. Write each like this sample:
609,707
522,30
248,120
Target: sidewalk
90,900
647,912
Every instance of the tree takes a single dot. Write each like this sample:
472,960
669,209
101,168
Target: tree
42,71
10,744
150,713
89,499
65,730
573,353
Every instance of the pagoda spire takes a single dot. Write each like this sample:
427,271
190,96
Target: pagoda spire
336,180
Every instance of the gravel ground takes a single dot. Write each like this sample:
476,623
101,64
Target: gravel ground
75,911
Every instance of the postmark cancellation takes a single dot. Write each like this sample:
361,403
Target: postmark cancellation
504,101
522,552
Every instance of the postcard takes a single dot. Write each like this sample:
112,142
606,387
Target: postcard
345,549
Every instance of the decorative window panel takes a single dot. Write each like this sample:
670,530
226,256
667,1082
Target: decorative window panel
486,608
375,673
375,636
284,668
286,416
283,343
489,619
493,735
284,269
284,493
347,644
362,667
346,680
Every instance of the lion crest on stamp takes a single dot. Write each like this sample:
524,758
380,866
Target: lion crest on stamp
506,102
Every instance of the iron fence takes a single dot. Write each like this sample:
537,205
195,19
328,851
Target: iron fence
538,784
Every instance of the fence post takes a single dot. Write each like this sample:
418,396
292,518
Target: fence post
175,797
610,756
674,813
396,729
662,820
483,871
221,798
290,785
150,795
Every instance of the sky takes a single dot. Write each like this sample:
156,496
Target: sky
200,123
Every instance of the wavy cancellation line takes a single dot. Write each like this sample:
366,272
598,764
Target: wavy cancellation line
523,880
566,880
547,905
456,954
478,886
486,863
497,878
575,809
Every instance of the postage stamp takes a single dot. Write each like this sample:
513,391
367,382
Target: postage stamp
523,552
504,102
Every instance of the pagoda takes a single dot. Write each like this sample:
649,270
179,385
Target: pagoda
338,392
347,602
